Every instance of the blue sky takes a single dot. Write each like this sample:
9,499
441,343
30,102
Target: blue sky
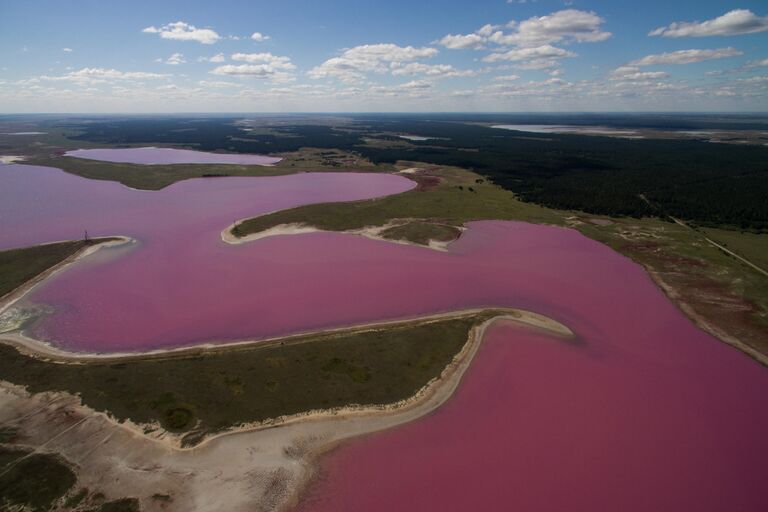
305,56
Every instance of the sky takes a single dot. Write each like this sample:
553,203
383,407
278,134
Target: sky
138,56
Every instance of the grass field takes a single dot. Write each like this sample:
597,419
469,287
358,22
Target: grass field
17,266
34,481
208,391
459,197
730,295
156,177
752,246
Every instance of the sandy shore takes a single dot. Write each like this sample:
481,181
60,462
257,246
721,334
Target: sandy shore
702,323
372,232
256,467
11,159
8,300
38,348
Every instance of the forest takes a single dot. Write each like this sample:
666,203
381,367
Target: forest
707,183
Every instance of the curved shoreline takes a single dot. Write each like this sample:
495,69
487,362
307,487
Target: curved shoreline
19,293
38,348
371,232
288,446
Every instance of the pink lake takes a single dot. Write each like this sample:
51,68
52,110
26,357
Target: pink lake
643,412
150,156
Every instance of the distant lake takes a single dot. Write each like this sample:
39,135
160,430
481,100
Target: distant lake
552,128
161,156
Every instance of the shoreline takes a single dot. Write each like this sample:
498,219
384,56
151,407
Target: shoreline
674,296
370,232
288,448
15,295
37,348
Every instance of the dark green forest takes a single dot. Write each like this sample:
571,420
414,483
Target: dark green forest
707,183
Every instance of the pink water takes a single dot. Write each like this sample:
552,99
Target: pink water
626,422
149,156
644,412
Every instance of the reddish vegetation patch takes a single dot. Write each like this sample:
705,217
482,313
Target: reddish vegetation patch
661,254
723,309
424,183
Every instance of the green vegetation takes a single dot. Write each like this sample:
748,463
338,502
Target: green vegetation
75,499
752,246
422,232
156,177
724,291
34,481
207,391
713,184
721,289
147,177
17,266
449,202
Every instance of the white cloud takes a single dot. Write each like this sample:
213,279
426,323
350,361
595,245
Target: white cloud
259,65
569,25
736,22
97,75
434,70
255,70
219,57
507,78
353,63
537,64
634,73
686,57
182,31
463,42
67,50
278,62
218,84
416,84
175,59
259,37
756,64
546,51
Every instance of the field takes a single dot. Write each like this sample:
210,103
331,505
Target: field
730,298
17,266
618,192
203,391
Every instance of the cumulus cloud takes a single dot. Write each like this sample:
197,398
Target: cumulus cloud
353,63
279,62
463,42
416,84
569,25
631,73
566,26
433,70
686,56
182,31
736,22
218,84
259,65
532,41
546,51
67,50
507,78
219,57
756,63
96,75
175,59
254,70
259,37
